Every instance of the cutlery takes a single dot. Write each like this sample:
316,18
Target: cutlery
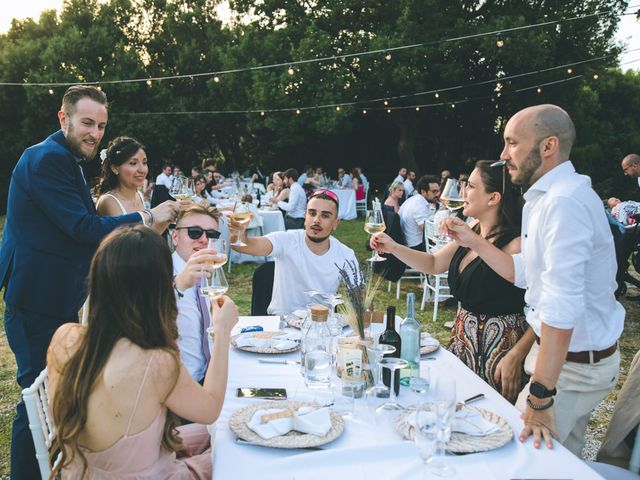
279,362
463,403
283,324
240,441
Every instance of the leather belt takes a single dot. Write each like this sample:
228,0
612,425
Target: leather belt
589,357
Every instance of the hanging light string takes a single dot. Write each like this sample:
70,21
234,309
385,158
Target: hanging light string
335,105
290,64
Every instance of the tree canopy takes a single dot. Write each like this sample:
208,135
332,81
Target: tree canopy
464,88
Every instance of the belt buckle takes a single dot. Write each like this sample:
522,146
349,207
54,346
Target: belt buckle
591,359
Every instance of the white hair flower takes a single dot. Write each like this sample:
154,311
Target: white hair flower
103,154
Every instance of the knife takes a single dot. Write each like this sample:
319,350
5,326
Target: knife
279,362
461,405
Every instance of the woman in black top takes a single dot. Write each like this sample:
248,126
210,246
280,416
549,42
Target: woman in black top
490,334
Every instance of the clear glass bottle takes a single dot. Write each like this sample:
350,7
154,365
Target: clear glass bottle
410,337
317,349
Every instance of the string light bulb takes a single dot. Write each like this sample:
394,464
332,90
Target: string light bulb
417,109
149,83
298,111
437,95
290,70
595,76
453,105
387,56
364,112
499,41
388,110
539,90
50,91
338,108
386,102
569,71
262,114
216,79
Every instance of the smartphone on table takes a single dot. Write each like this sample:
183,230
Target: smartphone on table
266,393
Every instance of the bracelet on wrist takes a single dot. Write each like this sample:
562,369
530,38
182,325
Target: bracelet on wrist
175,289
539,407
151,219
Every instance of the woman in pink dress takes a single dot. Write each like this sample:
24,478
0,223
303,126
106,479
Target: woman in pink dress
118,386
358,185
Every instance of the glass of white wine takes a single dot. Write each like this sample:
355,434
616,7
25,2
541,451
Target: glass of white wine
241,214
220,246
374,224
176,187
214,283
452,196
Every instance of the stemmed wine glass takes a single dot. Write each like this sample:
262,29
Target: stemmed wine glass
176,188
375,224
375,353
214,283
452,196
220,246
425,433
241,214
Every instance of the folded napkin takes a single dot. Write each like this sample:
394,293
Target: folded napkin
315,421
276,342
471,422
426,340
302,313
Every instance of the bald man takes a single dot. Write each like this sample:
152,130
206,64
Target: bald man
631,166
568,268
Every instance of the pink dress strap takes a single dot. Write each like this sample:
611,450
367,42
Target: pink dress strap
135,405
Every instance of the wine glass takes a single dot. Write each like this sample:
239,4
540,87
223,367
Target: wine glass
241,214
176,187
220,246
452,197
213,283
189,188
445,409
375,353
374,224
425,432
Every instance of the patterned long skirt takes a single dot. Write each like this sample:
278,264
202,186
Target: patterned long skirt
481,341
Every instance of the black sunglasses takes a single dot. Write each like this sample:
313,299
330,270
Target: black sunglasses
196,232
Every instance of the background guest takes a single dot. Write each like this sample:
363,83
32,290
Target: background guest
396,192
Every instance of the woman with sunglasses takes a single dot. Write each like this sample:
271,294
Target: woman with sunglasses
118,386
490,334
123,174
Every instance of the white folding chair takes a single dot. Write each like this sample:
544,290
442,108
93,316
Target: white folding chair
36,400
440,286
361,205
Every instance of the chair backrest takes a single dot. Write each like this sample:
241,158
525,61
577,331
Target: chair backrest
36,400
432,238
262,288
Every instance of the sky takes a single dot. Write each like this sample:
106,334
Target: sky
629,30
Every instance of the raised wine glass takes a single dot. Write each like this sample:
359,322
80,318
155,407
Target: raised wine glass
214,283
241,214
220,246
375,224
452,196
176,187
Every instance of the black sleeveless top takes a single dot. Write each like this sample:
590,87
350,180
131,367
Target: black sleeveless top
481,290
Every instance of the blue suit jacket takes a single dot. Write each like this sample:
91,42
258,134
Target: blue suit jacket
51,231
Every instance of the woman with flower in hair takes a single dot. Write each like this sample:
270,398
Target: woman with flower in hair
124,171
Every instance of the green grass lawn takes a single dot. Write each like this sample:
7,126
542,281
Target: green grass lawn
352,234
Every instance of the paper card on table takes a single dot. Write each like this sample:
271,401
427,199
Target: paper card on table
471,422
306,420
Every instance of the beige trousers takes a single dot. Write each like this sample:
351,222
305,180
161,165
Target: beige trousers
581,387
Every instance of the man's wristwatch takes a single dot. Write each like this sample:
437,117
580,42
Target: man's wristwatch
540,391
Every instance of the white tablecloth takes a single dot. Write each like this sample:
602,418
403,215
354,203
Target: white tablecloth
359,453
347,202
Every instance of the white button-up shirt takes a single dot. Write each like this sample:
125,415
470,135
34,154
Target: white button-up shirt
413,213
568,263
297,204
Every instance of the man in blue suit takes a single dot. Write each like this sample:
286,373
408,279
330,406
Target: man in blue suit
51,233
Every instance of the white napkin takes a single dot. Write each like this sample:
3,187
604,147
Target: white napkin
470,421
315,421
301,313
280,342
426,340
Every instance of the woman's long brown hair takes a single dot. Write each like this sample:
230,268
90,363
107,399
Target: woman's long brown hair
130,296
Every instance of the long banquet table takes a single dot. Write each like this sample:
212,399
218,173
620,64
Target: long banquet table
360,453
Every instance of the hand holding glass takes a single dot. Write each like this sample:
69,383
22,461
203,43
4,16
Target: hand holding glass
241,214
220,246
214,283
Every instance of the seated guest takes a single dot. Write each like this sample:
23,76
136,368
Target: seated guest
196,171
165,177
402,174
363,178
194,227
358,185
624,212
124,170
275,189
409,189
344,179
419,208
489,330
396,192
200,186
304,259
118,386
294,208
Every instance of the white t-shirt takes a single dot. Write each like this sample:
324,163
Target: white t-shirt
298,269
413,213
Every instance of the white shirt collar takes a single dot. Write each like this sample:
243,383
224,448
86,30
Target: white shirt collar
543,184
